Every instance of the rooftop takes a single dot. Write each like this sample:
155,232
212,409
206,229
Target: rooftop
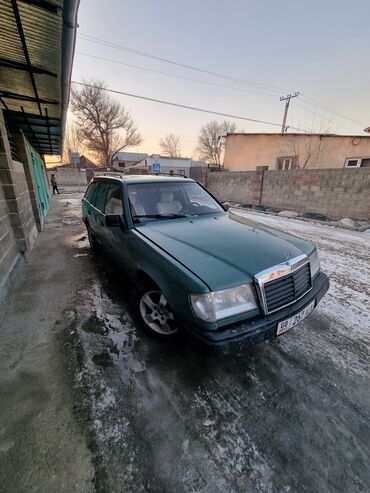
37,39
129,156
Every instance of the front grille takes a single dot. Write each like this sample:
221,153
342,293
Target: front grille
284,291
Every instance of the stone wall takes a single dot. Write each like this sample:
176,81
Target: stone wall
337,193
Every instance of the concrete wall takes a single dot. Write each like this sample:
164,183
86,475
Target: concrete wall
18,228
69,178
233,186
9,251
247,151
337,193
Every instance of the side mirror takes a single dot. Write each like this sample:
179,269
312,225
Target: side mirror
113,220
225,205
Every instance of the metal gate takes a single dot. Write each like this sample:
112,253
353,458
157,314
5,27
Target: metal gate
41,190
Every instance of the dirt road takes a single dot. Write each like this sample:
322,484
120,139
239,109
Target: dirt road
291,415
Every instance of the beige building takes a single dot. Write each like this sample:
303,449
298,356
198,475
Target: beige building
291,151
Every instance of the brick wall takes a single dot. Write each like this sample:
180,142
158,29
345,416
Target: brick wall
336,193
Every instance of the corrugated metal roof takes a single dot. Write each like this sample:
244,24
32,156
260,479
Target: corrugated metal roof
32,40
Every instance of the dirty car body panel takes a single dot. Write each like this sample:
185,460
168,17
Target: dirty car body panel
207,262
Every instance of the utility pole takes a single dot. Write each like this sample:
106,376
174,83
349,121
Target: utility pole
287,99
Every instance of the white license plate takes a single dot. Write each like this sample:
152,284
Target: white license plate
292,321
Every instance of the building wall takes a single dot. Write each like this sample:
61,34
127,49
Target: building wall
337,193
9,251
247,151
18,228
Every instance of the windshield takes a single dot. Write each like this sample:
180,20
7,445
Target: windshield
158,201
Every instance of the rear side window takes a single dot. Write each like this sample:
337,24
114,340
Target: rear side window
113,203
100,196
90,192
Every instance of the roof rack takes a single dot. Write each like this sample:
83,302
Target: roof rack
112,173
168,174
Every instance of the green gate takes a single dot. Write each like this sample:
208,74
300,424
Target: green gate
38,174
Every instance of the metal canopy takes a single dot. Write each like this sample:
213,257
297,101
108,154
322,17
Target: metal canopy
37,39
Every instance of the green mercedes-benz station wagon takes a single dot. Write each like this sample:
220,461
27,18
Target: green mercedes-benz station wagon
196,267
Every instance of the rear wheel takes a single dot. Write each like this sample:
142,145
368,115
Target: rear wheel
154,311
94,245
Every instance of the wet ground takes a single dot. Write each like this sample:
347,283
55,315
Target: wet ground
291,415
287,416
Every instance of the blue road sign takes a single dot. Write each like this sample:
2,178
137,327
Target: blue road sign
156,168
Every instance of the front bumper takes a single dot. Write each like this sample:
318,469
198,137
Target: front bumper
257,329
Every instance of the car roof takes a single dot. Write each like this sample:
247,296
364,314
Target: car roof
143,178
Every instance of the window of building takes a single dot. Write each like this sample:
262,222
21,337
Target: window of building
121,164
171,171
287,162
357,162
182,172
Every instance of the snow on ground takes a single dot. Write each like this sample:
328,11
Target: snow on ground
345,257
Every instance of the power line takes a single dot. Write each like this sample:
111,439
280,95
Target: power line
110,44
320,116
174,75
127,49
178,105
313,102
146,69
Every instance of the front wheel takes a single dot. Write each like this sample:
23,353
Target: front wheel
154,311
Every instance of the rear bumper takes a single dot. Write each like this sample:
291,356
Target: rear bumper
258,329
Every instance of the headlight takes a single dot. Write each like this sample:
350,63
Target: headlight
221,304
314,263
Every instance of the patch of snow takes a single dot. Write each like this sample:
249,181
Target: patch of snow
288,213
345,257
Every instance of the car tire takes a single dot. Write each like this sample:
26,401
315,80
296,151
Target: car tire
153,311
94,245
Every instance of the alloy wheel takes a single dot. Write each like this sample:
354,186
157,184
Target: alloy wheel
156,314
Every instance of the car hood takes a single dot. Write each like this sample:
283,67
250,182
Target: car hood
224,250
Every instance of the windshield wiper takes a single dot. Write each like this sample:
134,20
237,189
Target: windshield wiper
159,216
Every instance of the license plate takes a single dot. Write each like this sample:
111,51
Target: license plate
292,321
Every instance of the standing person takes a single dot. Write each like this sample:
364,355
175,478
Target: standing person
54,184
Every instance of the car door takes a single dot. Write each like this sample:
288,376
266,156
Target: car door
115,232
97,218
88,200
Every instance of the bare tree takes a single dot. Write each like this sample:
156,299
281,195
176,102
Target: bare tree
302,150
73,141
103,123
211,141
170,145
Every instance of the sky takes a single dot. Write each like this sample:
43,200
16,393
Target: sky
319,48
